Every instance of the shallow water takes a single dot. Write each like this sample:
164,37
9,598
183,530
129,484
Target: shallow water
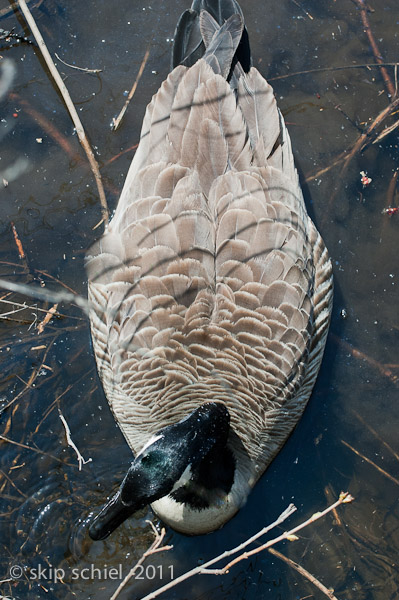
52,201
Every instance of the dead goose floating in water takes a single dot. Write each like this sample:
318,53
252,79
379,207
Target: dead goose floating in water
211,288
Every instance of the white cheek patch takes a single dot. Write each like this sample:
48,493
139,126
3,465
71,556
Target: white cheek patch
183,479
149,443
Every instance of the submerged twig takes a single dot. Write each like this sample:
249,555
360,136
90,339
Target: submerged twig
10,481
329,496
20,445
374,432
49,128
372,463
84,69
117,121
305,11
155,547
377,54
36,308
360,143
329,593
339,68
41,294
18,242
111,160
28,384
385,370
386,132
392,189
69,104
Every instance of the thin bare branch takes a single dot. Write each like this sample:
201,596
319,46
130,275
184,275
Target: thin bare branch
199,570
344,498
70,442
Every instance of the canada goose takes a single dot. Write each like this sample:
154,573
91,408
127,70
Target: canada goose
210,289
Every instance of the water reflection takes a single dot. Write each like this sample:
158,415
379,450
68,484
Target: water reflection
347,438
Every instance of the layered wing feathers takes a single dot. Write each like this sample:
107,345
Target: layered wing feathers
211,281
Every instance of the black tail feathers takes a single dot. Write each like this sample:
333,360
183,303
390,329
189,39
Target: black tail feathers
189,44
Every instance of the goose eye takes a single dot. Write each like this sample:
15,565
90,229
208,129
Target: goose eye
151,459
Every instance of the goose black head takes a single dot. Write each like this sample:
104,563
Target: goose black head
164,462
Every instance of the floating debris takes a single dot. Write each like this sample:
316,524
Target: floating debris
365,179
390,210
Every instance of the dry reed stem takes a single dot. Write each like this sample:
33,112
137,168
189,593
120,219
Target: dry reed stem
155,547
70,106
329,593
345,497
56,401
49,315
116,122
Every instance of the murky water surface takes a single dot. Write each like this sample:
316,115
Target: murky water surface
347,439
